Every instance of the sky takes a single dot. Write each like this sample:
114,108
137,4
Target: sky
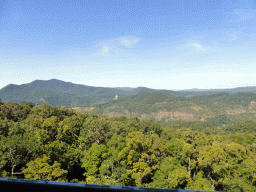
159,44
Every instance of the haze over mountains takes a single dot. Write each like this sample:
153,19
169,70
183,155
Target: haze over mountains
215,106
60,93
237,89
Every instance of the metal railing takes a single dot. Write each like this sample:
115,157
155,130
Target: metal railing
8,184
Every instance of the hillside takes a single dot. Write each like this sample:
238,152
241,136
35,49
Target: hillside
231,90
57,93
60,93
217,109
48,143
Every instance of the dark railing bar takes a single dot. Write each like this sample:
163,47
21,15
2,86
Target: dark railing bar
6,184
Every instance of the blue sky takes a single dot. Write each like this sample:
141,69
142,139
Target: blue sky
160,44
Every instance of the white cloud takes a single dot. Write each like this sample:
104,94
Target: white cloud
197,45
128,42
113,46
109,49
192,47
105,49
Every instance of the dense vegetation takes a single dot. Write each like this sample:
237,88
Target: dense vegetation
56,93
219,109
60,93
213,107
42,142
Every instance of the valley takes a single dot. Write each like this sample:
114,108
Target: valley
128,137
213,107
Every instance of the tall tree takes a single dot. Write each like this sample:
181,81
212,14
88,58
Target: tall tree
40,169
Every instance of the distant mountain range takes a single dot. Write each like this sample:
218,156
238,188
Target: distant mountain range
161,105
60,93
125,88
233,90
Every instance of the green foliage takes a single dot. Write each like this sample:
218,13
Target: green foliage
212,108
57,144
14,112
96,129
40,169
93,158
16,150
69,129
200,183
4,127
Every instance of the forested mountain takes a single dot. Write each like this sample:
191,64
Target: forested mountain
57,93
124,88
60,93
217,109
57,144
232,90
214,107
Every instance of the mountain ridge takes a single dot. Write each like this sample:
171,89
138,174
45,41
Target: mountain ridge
142,102
37,83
